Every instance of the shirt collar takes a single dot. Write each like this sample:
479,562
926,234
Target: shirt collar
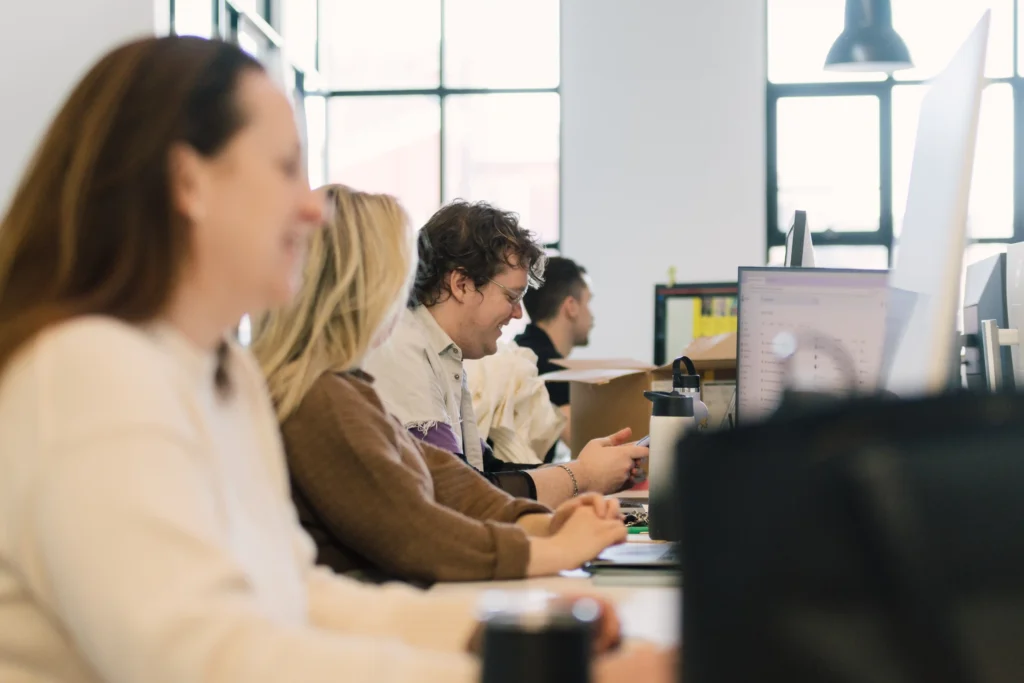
437,339
538,340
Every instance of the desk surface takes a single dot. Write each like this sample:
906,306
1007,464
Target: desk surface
650,614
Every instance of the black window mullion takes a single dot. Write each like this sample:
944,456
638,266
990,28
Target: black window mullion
1018,160
316,52
1016,37
1018,132
443,182
441,136
221,19
885,219
233,19
775,236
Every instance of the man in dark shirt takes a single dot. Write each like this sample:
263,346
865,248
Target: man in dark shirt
560,318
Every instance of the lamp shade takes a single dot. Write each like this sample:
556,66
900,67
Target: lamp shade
868,41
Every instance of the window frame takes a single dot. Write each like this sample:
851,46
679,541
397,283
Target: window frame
229,14
883,90
442,92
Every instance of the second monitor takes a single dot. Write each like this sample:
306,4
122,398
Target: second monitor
985,298
827,310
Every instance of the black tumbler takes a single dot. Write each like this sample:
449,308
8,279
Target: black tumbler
549,645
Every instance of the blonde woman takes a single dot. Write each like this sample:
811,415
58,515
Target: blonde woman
378,501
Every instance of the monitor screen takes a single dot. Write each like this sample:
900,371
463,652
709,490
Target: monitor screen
684,312
799,245
825,310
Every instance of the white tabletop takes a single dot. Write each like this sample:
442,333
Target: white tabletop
647,613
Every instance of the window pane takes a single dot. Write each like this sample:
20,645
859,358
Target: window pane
990,210
316,138
259,7
800,34
193,18
501,43
828,156
380,45
504,149
388,144
252,40
934,29
776,256
976,252
860,257
298,28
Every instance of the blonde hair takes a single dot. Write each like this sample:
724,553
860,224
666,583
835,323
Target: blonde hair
356,279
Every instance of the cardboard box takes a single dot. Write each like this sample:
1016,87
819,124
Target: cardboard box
608,394
714,357
605,395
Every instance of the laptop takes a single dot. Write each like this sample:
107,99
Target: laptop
637,556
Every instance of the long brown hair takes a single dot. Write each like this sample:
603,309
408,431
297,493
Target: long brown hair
92,227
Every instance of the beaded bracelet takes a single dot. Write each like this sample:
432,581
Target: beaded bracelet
575,486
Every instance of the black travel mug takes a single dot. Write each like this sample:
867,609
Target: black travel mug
549,643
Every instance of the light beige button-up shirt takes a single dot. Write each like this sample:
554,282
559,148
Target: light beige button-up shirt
421,380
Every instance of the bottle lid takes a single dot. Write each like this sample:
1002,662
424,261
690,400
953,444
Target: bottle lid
670,404
691,380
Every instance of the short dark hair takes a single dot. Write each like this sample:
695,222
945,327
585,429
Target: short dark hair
562,278
477,239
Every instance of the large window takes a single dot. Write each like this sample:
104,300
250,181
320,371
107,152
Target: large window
432,100
283,35
840,145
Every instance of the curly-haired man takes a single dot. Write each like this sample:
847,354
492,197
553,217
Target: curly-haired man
475,265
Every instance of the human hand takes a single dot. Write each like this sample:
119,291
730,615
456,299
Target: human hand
642,663
604,508
609,464
584,535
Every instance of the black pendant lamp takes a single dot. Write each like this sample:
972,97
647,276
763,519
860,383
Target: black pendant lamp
868,42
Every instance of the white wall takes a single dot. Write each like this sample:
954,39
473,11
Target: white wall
47,46
663,151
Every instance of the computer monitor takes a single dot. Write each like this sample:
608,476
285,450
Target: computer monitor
985,299
922,351
1015,305
824,308
684,312
799,246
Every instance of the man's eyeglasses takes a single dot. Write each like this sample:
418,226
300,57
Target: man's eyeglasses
515,298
